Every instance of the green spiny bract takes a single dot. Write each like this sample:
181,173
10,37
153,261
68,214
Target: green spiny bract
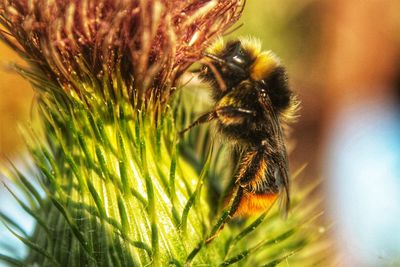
111,183
116,192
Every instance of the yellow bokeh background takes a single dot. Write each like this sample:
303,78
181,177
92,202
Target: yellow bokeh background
15,103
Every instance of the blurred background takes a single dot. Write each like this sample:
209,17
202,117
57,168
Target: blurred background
343,60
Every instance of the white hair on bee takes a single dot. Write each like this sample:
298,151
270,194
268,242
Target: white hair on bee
251,44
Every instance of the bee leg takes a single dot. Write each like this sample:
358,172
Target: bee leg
227,214
228,111
231,111
207,117
230,115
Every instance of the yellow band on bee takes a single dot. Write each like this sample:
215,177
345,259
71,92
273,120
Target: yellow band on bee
216,47
264,64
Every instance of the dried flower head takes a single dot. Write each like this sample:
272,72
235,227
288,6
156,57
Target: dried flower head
149,43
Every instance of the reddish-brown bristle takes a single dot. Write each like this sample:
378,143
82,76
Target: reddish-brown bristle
150,43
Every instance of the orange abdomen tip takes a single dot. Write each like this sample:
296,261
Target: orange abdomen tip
254,204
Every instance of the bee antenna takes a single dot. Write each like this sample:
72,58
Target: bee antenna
218,76
214,57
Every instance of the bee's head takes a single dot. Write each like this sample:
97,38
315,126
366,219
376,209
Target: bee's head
237,61
232,64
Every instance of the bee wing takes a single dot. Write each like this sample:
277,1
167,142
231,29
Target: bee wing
281,172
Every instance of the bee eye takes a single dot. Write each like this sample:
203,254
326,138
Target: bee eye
238,60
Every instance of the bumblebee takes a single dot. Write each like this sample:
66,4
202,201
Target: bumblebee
252,103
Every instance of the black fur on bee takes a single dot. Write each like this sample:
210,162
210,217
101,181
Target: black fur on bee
252,98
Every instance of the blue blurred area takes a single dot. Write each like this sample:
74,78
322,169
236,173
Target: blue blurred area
363,170
10,245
